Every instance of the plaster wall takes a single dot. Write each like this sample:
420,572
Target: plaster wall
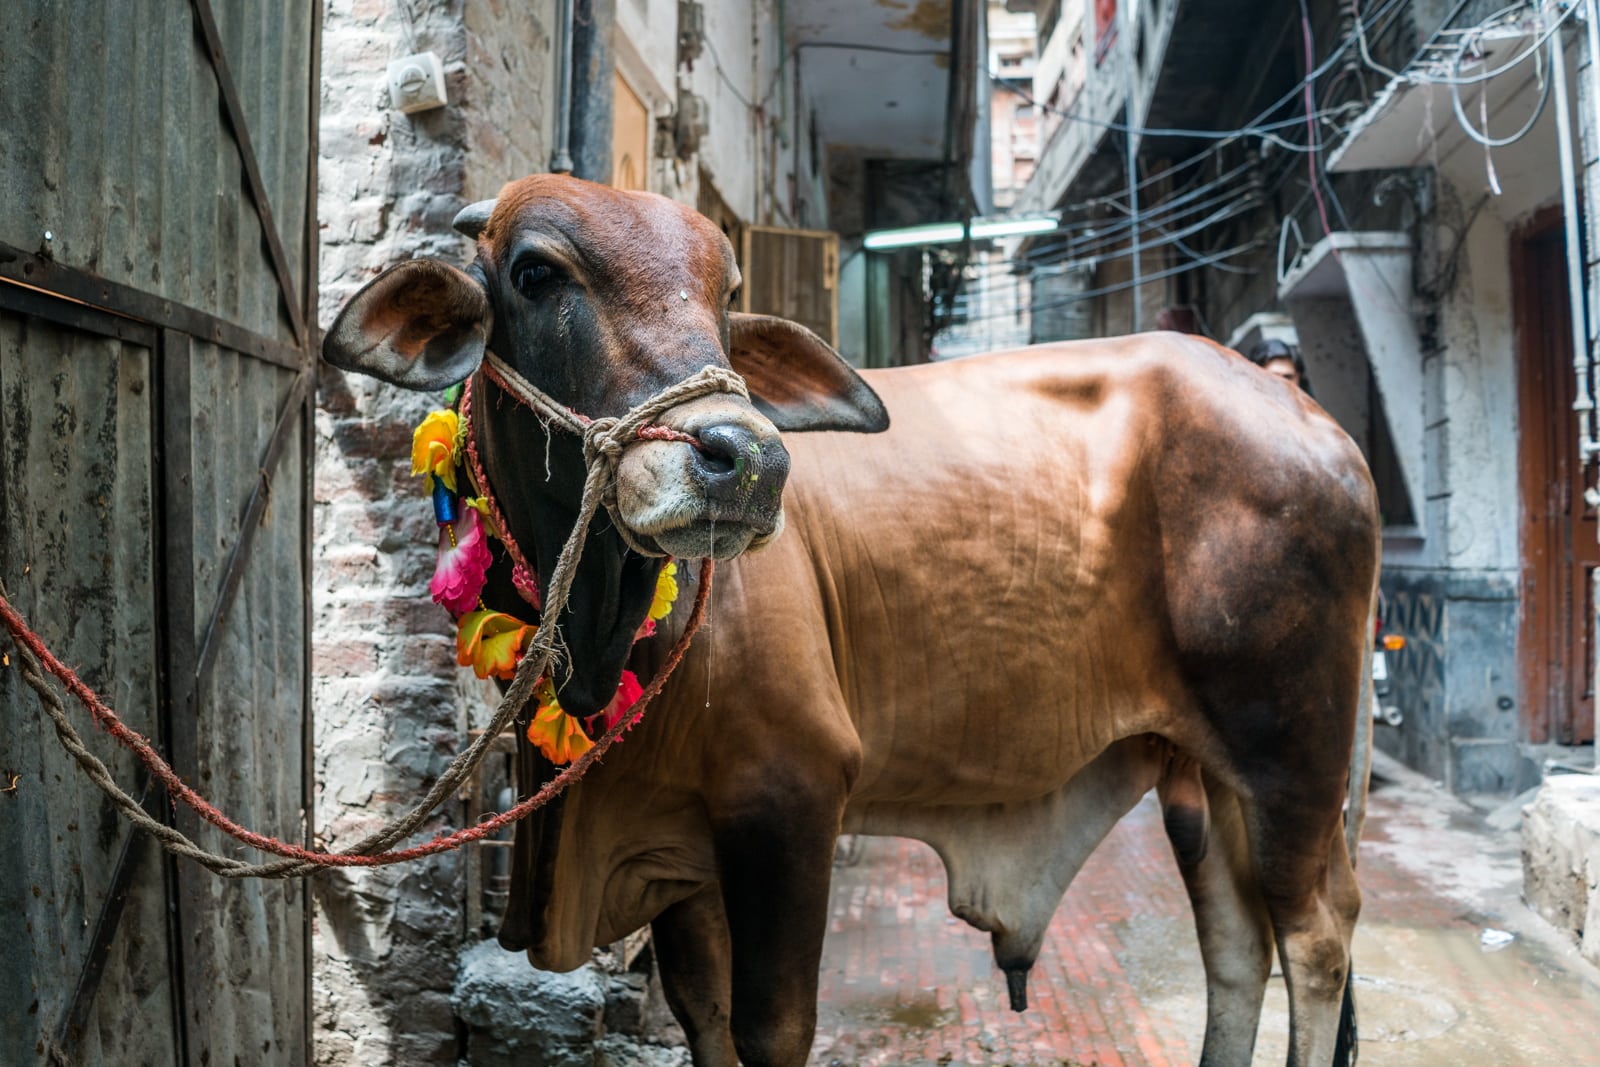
1453,593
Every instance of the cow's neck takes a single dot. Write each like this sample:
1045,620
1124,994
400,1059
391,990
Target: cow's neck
537,479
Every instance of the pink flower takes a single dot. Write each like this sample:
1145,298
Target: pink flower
463,564
628,693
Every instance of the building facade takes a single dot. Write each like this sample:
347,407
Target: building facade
1424,274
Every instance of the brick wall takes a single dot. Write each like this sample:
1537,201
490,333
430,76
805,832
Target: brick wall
388,697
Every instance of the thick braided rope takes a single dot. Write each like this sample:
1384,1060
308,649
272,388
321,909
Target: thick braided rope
604,440
304,861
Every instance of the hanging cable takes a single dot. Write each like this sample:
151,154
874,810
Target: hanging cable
1483,137
1089,294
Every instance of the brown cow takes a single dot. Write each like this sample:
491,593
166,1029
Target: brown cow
1064,576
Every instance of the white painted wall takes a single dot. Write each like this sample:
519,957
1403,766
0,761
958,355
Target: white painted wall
1473,443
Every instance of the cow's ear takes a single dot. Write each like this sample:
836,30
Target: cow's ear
421,325
797,381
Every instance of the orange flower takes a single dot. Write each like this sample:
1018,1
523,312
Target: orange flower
491,643
434,446
553,732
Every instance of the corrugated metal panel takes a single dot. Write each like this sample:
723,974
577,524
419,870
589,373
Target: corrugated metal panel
76,550
113,136
247,938
127,160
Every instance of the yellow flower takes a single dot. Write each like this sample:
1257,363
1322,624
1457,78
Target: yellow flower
666,592
491,643
435,445
552,731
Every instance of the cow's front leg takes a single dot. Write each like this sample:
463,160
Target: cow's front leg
775,852
692,950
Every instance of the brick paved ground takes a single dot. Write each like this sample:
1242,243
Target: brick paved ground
1119,979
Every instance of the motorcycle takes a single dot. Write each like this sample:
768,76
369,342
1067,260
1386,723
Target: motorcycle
1382,688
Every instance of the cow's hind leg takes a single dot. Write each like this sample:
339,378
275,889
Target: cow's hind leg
775,854
1309,887
693,953
1233,925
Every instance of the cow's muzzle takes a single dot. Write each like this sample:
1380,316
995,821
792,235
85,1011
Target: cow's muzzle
717,497
739,471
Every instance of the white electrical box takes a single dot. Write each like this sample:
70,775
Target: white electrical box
416,83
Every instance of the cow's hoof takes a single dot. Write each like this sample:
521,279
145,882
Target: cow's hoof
1017,986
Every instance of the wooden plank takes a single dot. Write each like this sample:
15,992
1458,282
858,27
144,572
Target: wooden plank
793,274
292,414
39,272
177,627
26,300
77,553
106,925
206,26
247,722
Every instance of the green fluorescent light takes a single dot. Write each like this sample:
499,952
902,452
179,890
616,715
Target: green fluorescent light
1012,227
943,233
939,233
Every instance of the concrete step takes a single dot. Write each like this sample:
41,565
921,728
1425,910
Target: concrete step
1561,857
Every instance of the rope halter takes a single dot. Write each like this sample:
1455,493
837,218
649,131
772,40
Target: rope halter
605,438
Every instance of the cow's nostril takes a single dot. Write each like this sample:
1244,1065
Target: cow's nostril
718,457
741,474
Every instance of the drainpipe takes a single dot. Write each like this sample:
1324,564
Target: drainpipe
1133,168
561,158
592,66
1583,404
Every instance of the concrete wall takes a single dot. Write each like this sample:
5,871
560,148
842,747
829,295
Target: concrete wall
1453,593
760,161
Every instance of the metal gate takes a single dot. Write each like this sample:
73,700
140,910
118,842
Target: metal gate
157,296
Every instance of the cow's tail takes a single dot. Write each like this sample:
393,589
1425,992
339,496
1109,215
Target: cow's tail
1361,751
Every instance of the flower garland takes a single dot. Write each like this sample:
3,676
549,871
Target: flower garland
492,643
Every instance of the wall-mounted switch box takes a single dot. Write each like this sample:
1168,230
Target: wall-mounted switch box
416,83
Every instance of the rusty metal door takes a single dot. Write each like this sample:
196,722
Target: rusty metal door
157,289
1560,550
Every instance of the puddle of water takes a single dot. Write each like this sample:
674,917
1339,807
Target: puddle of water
926,1017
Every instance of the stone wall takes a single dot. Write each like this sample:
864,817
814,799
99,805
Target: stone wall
390,705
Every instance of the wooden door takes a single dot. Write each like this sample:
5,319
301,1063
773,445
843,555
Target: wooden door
1560,540
793,274
630,138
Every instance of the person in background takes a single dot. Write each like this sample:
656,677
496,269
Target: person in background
1282,359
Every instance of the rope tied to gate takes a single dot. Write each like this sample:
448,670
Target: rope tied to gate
604,441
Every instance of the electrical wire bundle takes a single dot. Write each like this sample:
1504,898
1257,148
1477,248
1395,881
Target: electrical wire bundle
1086,243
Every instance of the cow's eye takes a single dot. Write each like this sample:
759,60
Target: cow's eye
733,299
529,277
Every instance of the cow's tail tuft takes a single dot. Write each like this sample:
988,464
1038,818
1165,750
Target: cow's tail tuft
1361,751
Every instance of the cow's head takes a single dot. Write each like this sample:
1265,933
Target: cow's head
602,298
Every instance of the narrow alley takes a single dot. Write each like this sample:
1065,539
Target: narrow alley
1119,982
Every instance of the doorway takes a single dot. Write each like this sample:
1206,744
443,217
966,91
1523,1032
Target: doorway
1560,549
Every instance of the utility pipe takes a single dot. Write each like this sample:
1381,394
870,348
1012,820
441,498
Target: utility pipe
1582,403
561,158
1133,164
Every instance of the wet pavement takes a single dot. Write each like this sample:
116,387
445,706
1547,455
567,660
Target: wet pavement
1119,980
